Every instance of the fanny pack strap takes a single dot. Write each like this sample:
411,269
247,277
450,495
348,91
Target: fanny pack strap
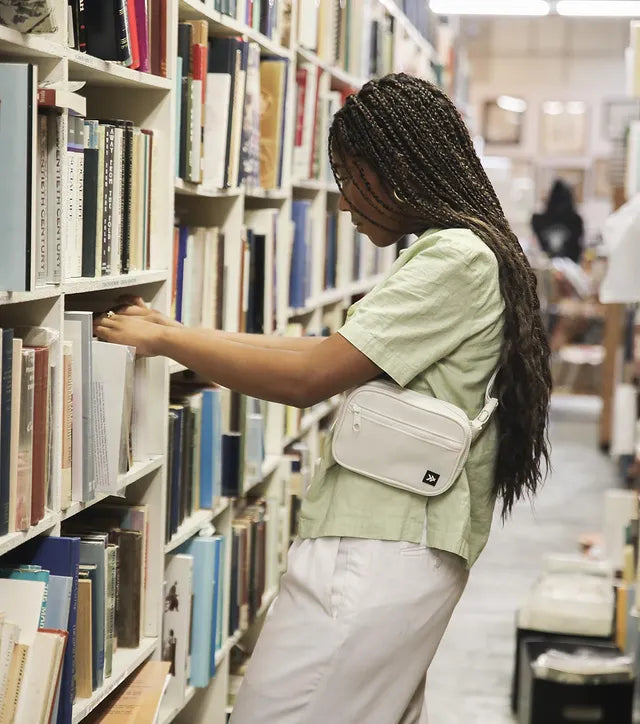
490,404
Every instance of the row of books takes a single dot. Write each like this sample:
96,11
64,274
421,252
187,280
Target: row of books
131,32
193,630
204,275
68,603
230,114
109,186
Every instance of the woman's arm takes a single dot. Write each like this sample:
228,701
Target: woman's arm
300,378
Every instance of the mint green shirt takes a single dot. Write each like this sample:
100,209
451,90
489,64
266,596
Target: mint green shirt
435,325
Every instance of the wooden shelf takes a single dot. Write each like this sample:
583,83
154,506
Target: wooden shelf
138,471
99,72
189,527
125,662
13,540
166,717
134,279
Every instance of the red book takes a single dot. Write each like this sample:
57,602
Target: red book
301,87
133,32
40,434
174,275
158,37
143,35
200,55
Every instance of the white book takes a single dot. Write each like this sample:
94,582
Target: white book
110,363
66,493
9,633
16,392
216,126
197,276
78,124
176,626
187,275
41,195
73,334
209,284
102,140
118,180
308,24
56,168
73,260
236,123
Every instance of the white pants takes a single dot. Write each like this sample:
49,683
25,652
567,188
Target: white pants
351,635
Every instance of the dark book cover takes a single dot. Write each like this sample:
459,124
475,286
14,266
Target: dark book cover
124,37
40,432
172,431
182,253
103,28
220,283
5,429
231,483
184,51
157,10
90,199
107,199
127,184
61,557
234,619
186,488
81,36
255,315
129,543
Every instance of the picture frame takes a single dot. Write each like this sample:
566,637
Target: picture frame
502,126
575,177
563,128
617,115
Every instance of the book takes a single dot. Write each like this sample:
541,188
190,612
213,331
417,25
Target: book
103,29
83,358
273,73
93,551
67,424
18,86
42,208
139,699
39,471
14,444
6,387
56,168
128,617
34,16
25,441
176,625
61,99
84,651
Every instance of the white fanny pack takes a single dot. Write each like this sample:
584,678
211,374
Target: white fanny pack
404,438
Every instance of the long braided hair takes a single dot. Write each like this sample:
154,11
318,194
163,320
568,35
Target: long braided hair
412,137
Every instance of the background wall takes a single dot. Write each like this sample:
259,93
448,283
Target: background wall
550,59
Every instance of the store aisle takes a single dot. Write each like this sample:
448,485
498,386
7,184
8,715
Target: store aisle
470,678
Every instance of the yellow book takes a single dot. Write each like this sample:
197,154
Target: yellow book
273,76
622,594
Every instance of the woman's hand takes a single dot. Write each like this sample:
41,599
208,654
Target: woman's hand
135,307
134,330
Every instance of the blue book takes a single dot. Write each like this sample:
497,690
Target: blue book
204,555
18,87
183,237
216,623
93,551
297,284
61,557
210,447
5,429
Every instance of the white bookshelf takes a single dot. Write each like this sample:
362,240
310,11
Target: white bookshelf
114,91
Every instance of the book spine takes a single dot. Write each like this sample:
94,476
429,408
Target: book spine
122,29
107,205
5,429
39,460
25,454
57,141
79,220
43,155
143,34
72,201
100,198
67,418
110,608
133,35
82,27
126,214
90,199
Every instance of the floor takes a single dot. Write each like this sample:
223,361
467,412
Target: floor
470,678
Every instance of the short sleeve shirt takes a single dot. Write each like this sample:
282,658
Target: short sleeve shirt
434,325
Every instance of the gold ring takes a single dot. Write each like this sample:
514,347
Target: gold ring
110,314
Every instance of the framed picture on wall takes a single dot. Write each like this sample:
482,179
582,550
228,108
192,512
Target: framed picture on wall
617,115
574,177
503,121
563,128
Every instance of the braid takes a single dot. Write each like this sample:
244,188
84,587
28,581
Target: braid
414,139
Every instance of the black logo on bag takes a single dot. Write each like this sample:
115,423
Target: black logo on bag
430,478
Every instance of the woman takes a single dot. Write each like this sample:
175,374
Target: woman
376,572
559,229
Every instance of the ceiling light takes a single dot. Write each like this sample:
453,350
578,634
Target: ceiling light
576,107
490,7
553,108
599,8
509,103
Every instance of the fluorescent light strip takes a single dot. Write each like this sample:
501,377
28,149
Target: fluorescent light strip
599,8
509,103
490,7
